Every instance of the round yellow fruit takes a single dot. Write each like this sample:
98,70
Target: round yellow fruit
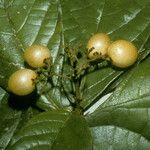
97,45
122,53
36,55
22,82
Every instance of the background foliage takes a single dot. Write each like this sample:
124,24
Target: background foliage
121,122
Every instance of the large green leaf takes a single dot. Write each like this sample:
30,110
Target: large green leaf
11,119
83,18
96,83
55,130
129,105
115,138
10,48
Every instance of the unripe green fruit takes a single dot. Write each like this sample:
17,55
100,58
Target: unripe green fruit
22,82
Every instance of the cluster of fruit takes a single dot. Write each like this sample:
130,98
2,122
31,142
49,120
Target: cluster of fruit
23,81
121,53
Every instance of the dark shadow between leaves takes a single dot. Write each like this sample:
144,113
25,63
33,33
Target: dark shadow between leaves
22,102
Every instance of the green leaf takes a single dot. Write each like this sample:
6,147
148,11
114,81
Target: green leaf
12,119
9,120
10,48
129,105
115,138
53,99
57,130
96,83
83,18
